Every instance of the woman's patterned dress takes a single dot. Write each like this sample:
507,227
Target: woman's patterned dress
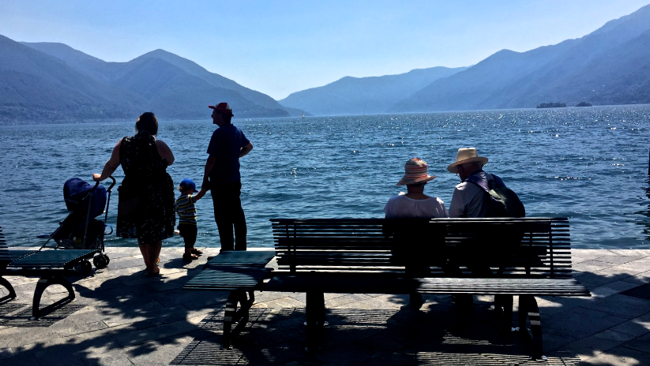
150,188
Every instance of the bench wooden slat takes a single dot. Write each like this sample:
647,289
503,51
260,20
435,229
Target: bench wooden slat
387,283
52,258
254,258
228,278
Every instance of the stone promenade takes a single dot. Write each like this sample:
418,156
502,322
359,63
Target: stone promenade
121,317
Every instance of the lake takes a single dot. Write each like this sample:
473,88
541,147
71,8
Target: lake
588,164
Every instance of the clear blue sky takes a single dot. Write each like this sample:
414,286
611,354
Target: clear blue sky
280,47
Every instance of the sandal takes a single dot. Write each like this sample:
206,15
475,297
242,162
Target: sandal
153,274
188,257
157,263
196,251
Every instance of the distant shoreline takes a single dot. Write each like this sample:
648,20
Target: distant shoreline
307,118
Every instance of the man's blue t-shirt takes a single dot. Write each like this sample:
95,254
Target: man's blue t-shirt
225,146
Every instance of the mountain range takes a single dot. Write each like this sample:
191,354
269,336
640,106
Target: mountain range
609,66
48,82
52,82
369,95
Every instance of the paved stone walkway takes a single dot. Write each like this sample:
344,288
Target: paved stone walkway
120,317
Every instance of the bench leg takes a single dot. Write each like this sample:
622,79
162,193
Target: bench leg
41,285
234,315
315,312
528,309
503,305
12,292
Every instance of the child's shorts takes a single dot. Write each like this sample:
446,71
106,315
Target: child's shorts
188,233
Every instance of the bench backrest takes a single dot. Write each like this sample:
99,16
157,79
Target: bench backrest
529,247
4,251
3,241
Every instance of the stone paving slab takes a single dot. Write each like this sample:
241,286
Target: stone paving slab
121,317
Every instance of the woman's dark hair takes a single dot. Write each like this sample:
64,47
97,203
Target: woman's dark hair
147,122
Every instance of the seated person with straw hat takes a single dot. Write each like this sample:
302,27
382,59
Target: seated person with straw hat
468,199
413,204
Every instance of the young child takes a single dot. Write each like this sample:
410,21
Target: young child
186,210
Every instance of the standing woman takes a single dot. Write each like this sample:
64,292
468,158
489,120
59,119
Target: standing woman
146,196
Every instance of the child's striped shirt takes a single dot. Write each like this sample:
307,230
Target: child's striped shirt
186,210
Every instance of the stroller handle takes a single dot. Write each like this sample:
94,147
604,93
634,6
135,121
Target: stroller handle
112,184
109,188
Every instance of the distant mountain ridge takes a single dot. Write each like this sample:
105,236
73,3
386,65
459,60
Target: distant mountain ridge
38,86
609,66
368,95
53,82
47,82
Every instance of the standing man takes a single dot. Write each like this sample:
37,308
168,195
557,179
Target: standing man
227,145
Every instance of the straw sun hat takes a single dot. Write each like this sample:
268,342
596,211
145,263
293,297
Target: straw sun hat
415,171
464,156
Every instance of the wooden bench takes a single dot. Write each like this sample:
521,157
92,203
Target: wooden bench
241,273
524,257
51,265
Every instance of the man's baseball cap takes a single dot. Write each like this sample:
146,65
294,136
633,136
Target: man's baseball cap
223,108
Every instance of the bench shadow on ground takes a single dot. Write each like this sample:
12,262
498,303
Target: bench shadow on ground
440,333
128,316
132,317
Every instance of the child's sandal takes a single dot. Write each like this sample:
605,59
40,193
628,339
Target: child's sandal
188,257
196,251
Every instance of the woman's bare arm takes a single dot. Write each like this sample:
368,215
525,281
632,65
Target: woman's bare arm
111,164
165,152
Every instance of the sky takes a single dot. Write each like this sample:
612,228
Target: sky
280,47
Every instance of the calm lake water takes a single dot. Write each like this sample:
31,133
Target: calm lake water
588,164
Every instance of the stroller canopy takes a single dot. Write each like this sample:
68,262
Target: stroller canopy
79,195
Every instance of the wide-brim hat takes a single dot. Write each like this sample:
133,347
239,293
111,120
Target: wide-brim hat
415,171
465,156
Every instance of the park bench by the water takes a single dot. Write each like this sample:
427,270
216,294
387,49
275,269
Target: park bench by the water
527,257
51,265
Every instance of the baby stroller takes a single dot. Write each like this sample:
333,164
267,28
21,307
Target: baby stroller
81,229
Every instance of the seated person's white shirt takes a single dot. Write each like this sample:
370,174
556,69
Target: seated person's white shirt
403,206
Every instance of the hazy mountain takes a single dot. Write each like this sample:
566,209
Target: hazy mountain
178,88
369,95
608,66
90,66
53,82
185,75
38,87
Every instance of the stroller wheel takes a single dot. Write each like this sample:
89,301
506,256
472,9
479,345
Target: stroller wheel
101,261
84,267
